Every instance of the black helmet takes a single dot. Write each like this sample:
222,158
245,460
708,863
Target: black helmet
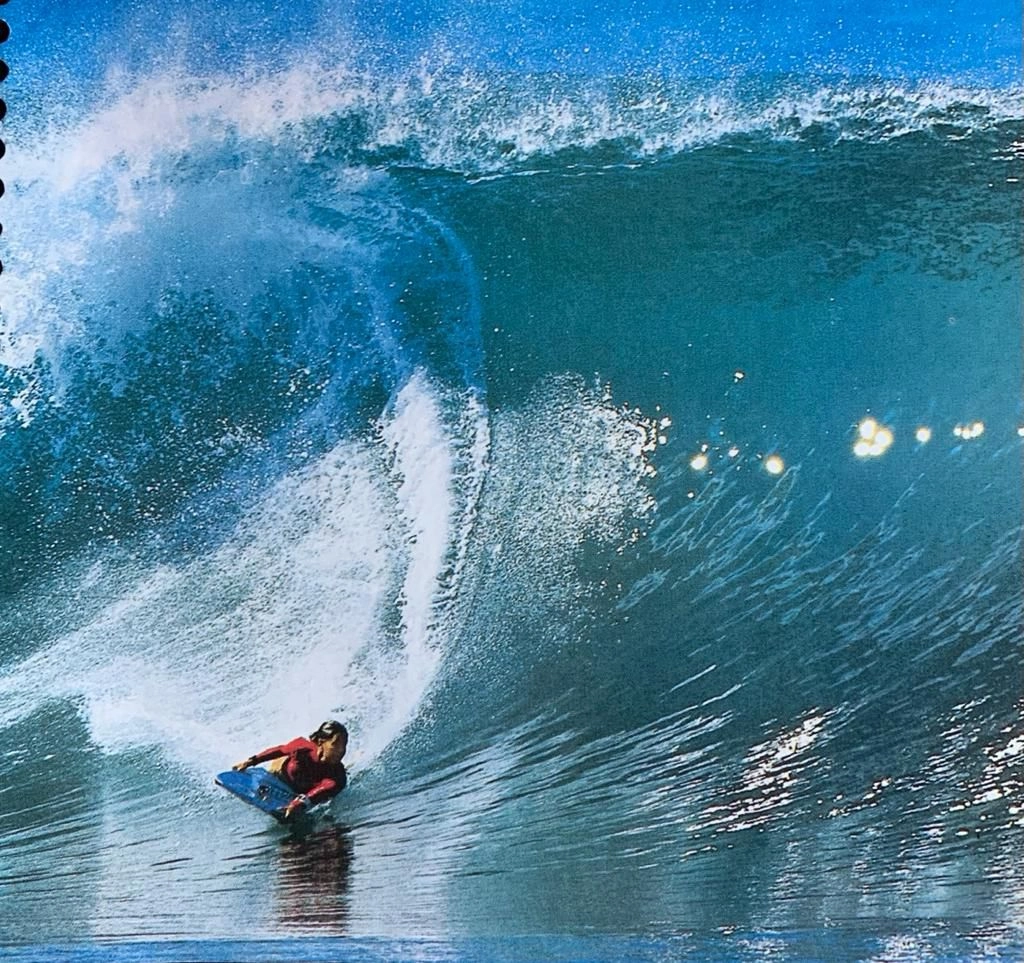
328,730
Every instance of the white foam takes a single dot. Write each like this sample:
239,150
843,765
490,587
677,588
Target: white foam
322,602
463,119
589,462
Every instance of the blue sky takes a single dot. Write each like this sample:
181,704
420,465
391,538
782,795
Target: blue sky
934,38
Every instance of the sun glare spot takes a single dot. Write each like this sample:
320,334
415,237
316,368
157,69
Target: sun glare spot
969,432
774,465
699,462
873,439
923,434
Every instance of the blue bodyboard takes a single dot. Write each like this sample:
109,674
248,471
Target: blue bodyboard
258,788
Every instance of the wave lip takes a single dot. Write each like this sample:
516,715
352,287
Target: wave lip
469,124
474,121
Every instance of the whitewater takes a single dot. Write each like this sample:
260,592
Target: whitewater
626,446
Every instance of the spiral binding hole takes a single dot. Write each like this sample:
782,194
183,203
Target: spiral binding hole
5,34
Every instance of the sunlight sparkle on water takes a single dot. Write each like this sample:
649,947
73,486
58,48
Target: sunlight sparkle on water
923,435
774,465
873,439
971,431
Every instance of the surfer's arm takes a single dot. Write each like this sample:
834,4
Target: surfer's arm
258,758
298,803
322,791
274,752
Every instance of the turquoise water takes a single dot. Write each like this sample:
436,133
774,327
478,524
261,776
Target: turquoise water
935,943
510,411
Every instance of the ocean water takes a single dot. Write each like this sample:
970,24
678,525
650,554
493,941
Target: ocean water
614,415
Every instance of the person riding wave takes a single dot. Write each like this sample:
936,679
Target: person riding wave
311,767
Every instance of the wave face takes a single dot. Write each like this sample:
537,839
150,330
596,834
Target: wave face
631,456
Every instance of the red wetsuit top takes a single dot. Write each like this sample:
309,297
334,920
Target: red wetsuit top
305,772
